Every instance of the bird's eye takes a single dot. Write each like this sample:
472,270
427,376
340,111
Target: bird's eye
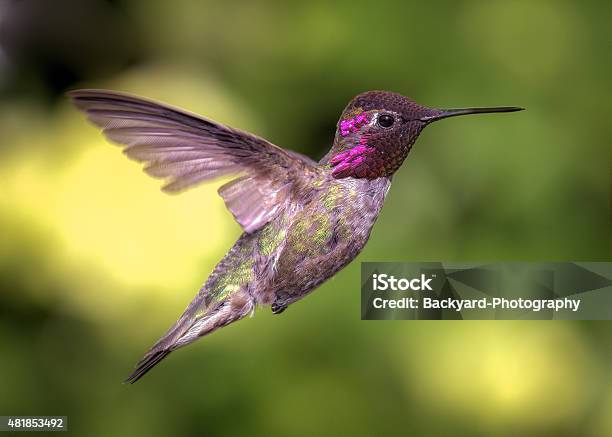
385,120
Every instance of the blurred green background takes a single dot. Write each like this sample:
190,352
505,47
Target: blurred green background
96,263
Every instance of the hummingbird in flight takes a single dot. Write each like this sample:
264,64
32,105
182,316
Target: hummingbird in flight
302,220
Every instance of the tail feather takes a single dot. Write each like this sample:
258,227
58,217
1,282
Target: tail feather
191,326
146,364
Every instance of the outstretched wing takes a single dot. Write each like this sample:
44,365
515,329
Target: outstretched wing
186,149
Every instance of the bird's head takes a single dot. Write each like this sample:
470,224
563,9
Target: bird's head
377,130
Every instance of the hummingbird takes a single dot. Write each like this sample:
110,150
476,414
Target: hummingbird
302,220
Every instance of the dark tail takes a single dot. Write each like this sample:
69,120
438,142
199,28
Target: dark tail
192,326
146,364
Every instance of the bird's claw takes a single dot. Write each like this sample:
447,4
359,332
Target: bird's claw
278,308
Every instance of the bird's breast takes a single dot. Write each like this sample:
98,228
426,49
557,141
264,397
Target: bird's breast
312,240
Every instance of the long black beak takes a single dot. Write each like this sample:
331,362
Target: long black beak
445,113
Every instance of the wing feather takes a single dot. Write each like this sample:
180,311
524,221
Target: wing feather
186,149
